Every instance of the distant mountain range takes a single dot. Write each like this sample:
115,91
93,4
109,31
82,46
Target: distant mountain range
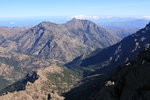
122,32
121,26
123,22
62,42
103,21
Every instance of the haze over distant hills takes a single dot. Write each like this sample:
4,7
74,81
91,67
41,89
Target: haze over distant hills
104,21
124,26
121,26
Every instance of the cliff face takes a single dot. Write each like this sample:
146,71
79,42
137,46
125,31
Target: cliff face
128,82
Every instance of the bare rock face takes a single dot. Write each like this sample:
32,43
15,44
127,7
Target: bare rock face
133,81
31,77
21,85
54,96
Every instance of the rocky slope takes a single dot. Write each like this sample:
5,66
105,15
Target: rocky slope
64,42
46,83
108,58
14,66
7,36
1,39
122,32
10,32
128,82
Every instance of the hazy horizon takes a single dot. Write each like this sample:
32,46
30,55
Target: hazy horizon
32,12
32,21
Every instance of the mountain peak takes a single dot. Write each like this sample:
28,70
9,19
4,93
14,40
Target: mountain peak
74,20
46,23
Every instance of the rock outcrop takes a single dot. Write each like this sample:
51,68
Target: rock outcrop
44,84
21,85
132,81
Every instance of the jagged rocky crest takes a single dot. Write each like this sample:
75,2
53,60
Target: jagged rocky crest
21,85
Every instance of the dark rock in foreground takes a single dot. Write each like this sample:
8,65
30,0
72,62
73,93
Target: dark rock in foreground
128,82
21,85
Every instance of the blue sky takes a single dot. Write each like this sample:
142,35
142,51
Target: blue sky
30,8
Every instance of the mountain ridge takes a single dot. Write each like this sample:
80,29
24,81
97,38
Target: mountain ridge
56,41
